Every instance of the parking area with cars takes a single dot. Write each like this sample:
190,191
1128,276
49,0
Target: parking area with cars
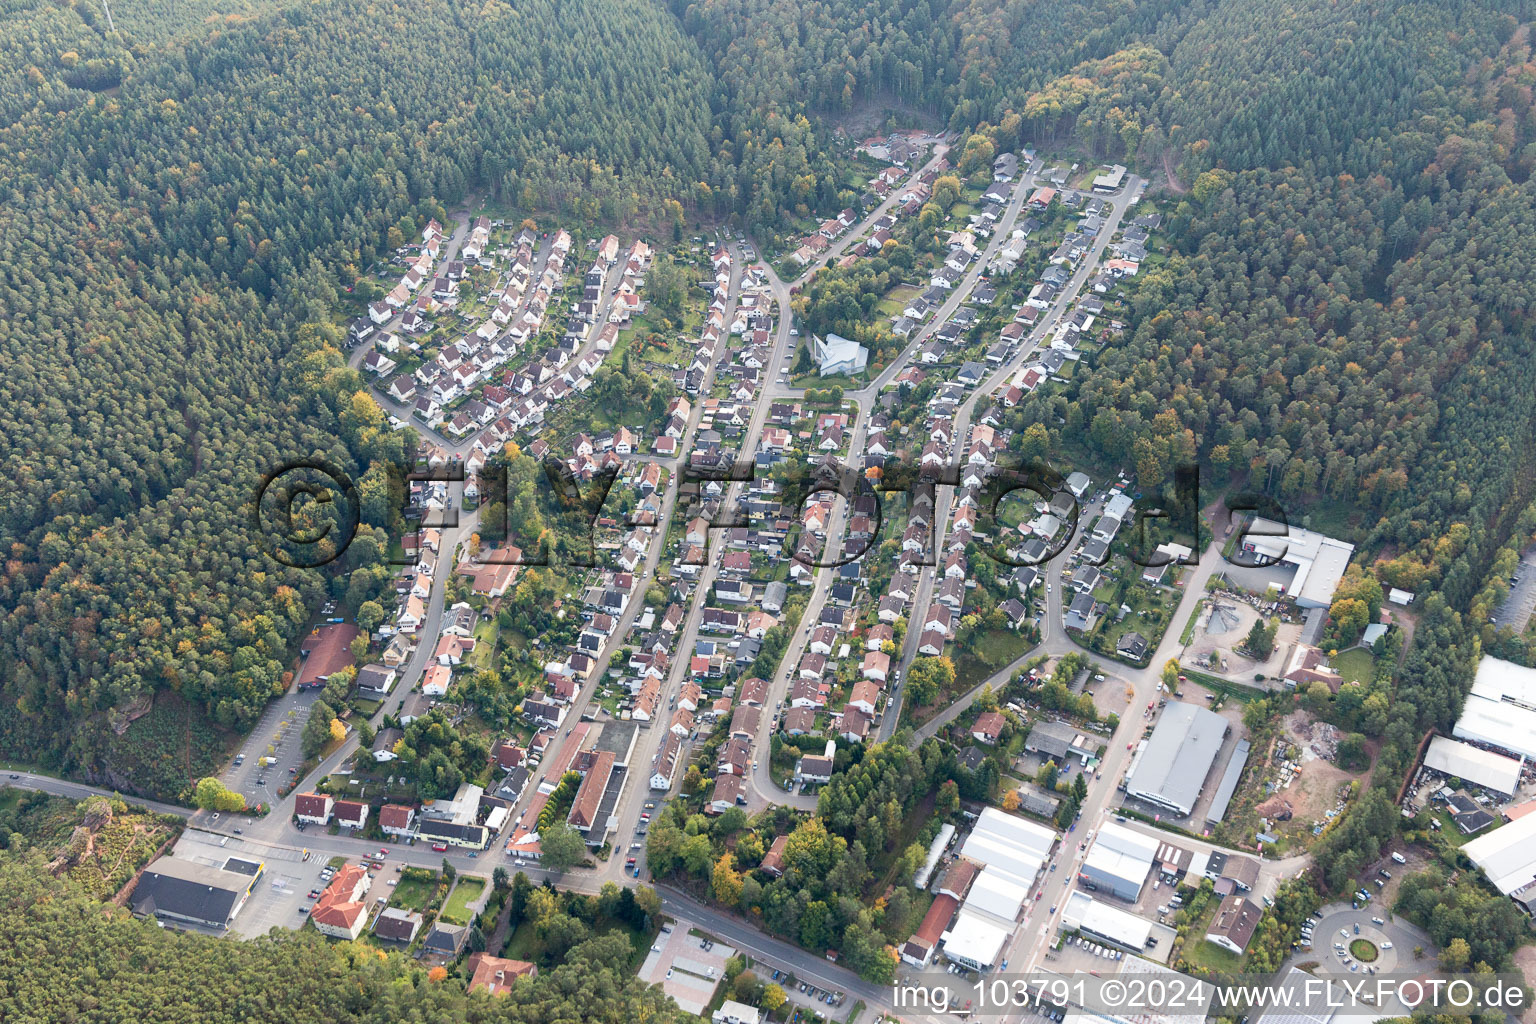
271,754
686,966
1340,933
1515,610
279,895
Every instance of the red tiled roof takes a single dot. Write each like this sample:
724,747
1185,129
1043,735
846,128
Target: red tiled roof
310,805
496,974
350,810
395,816
327,650
940,913
590,795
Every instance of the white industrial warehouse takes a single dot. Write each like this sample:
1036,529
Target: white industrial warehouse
1102,921
1501,709
1507,856
997,893
975,940
1010,844
1319,561
1119,861
1473,764
1011,852
1169,769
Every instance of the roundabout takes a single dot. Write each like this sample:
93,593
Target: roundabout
1366,941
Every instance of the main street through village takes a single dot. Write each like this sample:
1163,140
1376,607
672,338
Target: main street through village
276,838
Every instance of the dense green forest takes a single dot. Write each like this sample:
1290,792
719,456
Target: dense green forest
1344,320
176,223
872,825
106,966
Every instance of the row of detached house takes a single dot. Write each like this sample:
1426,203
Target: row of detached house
715,331
736,610
820,240
476,359
910,197
467,389
932,445
418,273
604,604
1085,319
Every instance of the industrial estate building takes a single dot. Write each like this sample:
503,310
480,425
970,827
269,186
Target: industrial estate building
1501,709
1105,923
1313,563
1169,769
983,893
1473,764
177,889
1059,741
1507,856
1119,861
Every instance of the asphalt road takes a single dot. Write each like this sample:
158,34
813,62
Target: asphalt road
944,497
275,832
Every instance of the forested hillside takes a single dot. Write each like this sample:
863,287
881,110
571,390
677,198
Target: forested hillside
109,967
163,241
963,60
1345,321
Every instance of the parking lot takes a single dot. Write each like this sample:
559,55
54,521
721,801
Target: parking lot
1339,924
285,882
687,967
1515,610
275,736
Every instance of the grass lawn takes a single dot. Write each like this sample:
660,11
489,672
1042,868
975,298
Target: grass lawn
1448,830
1189,627
485,645
413,894
985,653
1356,664
896,300
522,943
1363,950
1200,953
456,910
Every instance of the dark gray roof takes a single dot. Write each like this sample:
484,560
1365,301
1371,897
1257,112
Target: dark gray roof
1228,784
191,891
446,938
